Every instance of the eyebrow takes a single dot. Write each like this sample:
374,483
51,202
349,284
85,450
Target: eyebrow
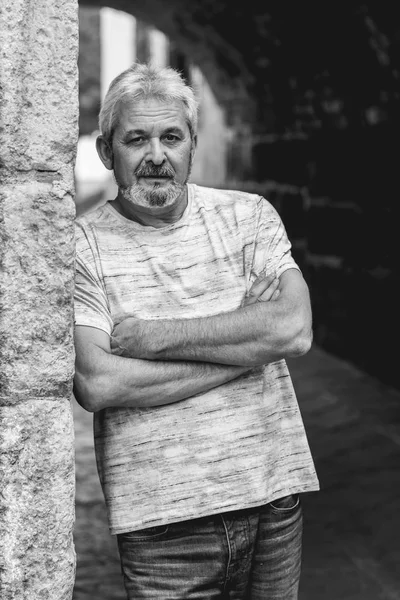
132,132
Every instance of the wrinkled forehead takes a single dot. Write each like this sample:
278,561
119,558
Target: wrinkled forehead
150,113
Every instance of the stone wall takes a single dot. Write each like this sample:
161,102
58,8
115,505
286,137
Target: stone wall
38,134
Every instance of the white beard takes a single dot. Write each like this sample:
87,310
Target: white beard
157,196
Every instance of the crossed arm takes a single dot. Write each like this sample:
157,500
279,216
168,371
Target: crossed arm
149,363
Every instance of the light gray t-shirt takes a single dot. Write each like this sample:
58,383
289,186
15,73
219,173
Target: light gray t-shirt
239,445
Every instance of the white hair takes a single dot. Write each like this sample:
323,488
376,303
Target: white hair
146,81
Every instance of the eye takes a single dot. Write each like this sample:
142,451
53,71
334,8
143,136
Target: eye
171,138
137,140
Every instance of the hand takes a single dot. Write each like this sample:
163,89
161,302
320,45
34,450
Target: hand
264,289
126,338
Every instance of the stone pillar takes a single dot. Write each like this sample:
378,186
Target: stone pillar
38,135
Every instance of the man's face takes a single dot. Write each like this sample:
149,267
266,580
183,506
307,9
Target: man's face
152,153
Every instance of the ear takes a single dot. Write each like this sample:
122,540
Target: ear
194,146
104,150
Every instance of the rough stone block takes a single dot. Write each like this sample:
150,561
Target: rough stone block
36,233
38,73
36,487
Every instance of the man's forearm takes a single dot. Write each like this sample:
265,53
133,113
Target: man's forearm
255,334
119,381
230,338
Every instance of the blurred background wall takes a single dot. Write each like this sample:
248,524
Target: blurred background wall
299,102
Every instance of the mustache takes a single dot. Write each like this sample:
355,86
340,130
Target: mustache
150,170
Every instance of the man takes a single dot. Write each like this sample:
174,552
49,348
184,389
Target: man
187,303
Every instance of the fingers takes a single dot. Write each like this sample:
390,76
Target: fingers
262,285
116,348
114,344
263,290
275,295
271,293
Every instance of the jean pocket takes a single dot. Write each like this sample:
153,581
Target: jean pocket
285,504
149,533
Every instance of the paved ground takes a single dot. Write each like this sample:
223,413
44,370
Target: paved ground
352,526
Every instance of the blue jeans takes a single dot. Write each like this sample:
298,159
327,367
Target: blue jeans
252,554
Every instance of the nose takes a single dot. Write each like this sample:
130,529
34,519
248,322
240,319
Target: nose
155,152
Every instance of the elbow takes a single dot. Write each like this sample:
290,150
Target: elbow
89,393
299,346
290,341
296,332
300,341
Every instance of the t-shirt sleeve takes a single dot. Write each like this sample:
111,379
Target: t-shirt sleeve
90,300
272,249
